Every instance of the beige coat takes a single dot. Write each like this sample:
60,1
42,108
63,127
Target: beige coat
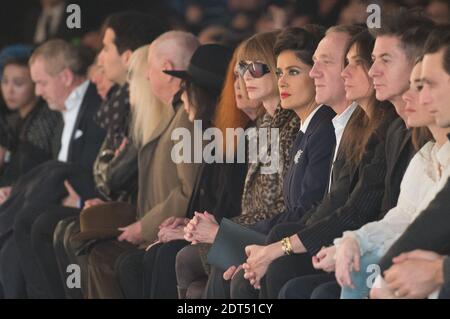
164,186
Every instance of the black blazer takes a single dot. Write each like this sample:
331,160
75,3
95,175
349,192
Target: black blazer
399,152
362,198
308,173
83,149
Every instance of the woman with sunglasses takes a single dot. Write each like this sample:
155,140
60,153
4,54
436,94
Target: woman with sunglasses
307,175
263,197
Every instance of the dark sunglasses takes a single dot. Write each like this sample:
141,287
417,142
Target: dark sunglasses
256,69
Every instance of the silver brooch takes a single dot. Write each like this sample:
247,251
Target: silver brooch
297,156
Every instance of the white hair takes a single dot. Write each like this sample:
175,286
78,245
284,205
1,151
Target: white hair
177,46
150,116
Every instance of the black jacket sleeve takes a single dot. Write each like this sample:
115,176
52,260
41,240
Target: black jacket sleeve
362,206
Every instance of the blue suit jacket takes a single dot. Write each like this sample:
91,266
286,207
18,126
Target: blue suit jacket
306,180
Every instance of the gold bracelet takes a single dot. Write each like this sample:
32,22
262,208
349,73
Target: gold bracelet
286,246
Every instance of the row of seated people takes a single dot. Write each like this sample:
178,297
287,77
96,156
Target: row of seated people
361,164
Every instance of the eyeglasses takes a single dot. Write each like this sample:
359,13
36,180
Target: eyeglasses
256,69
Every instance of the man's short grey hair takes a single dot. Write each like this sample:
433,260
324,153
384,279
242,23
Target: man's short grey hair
59,55
178,46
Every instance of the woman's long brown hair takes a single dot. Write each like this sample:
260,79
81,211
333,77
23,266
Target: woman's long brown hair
362,125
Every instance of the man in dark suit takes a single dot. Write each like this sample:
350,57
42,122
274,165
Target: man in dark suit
59,72
418,269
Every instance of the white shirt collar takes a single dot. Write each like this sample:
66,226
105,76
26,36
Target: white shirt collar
70,115
340,120
304,124
75,98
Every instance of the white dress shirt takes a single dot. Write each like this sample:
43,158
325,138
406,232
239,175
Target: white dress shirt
340,121
70,115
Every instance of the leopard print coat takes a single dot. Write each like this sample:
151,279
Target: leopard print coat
262,197
263,193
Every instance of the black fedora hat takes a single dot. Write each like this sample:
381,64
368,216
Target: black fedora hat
207,68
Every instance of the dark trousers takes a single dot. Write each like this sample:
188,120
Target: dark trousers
217,287
284,269
37,286
310,287
42,235
279,272
329,290
129,269
150,274
11,274
160,279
